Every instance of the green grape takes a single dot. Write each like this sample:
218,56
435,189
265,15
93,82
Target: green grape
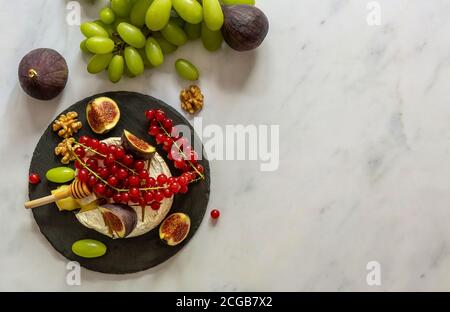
231,2
174,34
121,7
60,174
158,14
98,63
190,10
166,46
90,29
107,15
153,52
131,35
144,58
193,31
115,68
89,248
134,61
212,40
213,15
109,28
186,70
178,21
83,46
138,12
100,45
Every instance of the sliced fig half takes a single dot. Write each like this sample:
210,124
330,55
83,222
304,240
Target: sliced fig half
102,114
120,219
175,228
136,146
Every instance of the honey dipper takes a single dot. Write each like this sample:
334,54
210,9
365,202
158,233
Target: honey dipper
77,190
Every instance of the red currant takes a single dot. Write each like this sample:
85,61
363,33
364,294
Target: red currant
119,153
153,130
134,199
148,196
109,192
150,114
174,187
92,180
110,160
180,164
200,168
158,195
155,205
160,115
134,192
125,197
122,174
143,174
134,181
80,152
162,179
151,182
184,189
142,202
100,189
83,175
83,140
113,181
103,172
168,142
102,148
117,198
167,193
112,149
168,124
114,168
127,160
92,164
139,165
215,214
78,165
182,180
93,143
160,138
34,178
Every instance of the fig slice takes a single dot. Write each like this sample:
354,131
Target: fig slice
120,219
136,146
102,114
175,228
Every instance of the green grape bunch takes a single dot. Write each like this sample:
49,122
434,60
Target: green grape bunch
131,35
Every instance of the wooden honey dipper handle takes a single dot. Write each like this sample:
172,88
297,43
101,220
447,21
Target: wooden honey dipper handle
77,190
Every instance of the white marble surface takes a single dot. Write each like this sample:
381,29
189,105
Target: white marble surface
364,175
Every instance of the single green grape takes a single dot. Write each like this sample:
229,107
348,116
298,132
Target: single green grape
166,46
212,40
213,15
89,248
107,15
144,58
138,12
109,28
154,52
121,7
186,70
100,45
158,14
98,63
90,29
174,34
189,10
60,174
232,2
115,68
134,61
131,35
83,46
193,31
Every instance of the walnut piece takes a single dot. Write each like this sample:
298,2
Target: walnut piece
67,125
192,99
65,150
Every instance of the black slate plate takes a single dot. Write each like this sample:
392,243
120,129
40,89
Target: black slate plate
130,255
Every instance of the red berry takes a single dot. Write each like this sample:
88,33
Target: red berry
92,180
174,187
103,172
168,124
93,143
92,164
110,160
167,193
155,205
150,114
184,189
125,197
159,138
103,148
134,181
160,115
34,178
113,181
117,198
151,182
215,214
180,164
134,199
100,189
83,140
78,165
153,130
80,152
112,149
134,192
122,174
200,168
119,153
143,174
83,175
109,192
114,168
158,195
142,202
168,142
148,196
139,165
127,160
182,180
162,179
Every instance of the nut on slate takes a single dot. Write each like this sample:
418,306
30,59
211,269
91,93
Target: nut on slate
192,99
67,125
65,150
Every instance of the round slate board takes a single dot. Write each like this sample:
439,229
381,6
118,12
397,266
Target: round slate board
129,255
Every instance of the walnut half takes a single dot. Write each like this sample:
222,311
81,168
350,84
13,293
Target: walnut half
65,150
192,99
67,125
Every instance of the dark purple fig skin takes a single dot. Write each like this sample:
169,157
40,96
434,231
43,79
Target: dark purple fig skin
43,74
245,27
126,214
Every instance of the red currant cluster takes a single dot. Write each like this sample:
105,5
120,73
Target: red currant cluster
178,148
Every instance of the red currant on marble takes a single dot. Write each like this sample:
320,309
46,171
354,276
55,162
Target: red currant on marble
34,178
215,214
